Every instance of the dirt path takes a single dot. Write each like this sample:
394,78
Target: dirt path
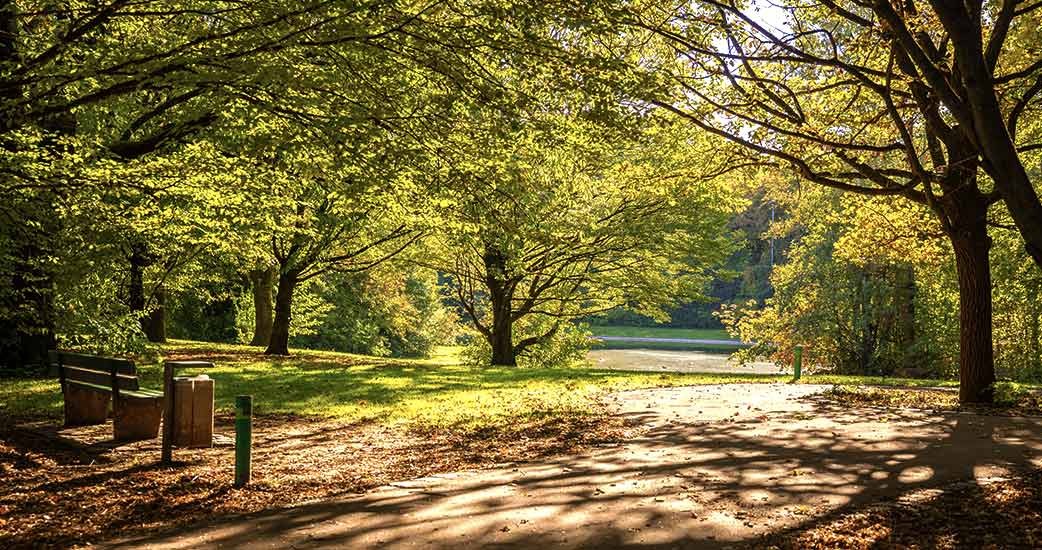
714,465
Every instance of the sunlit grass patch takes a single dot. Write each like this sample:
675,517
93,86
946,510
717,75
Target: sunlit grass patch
425,392
29,397
422,392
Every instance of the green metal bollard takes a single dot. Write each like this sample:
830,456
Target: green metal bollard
243,438
797,362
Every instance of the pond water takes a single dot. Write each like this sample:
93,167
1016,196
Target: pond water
651,360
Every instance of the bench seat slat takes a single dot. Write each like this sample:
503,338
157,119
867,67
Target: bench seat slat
142,394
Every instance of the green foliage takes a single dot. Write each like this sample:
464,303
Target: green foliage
202,316
1010,393
92,319
856,299
1018,311
385,312
167,151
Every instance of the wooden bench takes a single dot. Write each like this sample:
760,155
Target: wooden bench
89,383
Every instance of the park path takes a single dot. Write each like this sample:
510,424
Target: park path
712,465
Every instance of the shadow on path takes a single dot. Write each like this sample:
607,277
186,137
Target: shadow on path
715,465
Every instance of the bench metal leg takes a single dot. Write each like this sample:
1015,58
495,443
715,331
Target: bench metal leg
85,407
136,419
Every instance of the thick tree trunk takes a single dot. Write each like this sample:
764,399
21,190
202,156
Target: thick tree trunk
263,315
502,342
500,293
154,324
971,243
279,342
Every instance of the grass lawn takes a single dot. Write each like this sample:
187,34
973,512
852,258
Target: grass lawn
436,391
662,332
425,392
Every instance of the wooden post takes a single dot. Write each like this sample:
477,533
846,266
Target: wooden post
168,413
243,438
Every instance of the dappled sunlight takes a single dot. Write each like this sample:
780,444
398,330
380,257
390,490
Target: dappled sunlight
915,474
710,466
702,464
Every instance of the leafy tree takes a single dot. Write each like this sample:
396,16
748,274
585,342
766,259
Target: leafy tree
87,86
881,100
864,290
330,233
558,222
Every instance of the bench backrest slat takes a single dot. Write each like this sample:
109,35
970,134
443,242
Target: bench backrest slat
76,374
93,362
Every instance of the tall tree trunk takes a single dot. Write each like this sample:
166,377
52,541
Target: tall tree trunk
970,240
263,317
136,289
500,294
502,338
154,324
279,342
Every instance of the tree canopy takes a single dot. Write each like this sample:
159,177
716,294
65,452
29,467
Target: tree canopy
540,162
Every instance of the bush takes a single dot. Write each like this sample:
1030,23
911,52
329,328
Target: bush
207,316
1009,394
381,312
